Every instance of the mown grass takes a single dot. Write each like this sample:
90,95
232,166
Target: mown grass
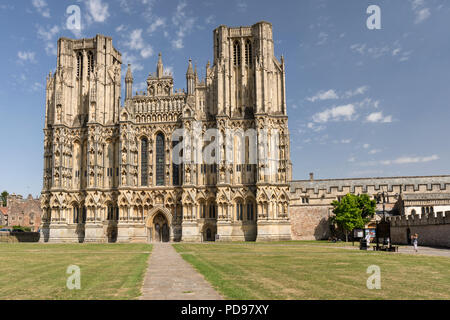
38,271
309,270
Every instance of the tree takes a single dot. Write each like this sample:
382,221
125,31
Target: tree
353,212
4,198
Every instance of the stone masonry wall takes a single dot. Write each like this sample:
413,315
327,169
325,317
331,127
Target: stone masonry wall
432,229
309,222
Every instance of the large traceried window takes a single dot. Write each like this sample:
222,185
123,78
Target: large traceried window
79,64
175,167
248,53
144,162
90,63
237,53
160,159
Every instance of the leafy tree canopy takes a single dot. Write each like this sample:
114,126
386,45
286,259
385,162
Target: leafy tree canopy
353,211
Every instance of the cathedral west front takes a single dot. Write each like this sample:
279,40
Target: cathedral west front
210,162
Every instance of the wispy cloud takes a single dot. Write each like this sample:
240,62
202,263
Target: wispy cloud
241,6
47,35
98,10
184,23
159,22
420,10
402,161
26,56
324,95
346,113
378,117
41,7
136,42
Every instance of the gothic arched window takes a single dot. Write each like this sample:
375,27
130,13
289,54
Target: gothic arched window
79,64
248,53
160,159
90,63
237,53
144,162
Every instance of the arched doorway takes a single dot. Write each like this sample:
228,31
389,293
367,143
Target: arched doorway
160,230
209,233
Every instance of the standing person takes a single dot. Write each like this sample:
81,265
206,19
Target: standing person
367,238
415,241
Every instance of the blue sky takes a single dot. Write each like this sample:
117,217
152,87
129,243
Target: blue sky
360,102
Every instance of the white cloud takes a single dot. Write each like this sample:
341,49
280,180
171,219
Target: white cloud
136,42
159,22
26,56
323,37
47,34
324,95
184,23
41,7
48,37
366,146
210,19
420,10
316,128
358,91
128,58
346,112
98,10
374,151
378,117
402,161
241,6
422,15
408,160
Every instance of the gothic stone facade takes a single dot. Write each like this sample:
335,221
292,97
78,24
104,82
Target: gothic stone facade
108,169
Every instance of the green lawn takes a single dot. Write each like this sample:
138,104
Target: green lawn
38,271
315,270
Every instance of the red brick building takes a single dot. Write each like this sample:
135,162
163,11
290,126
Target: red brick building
24,212
3,216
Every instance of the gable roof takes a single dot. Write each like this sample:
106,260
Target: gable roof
4,210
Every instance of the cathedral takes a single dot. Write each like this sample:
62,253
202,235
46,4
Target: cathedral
207,163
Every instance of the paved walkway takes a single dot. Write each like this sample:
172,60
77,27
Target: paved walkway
169,277
429,251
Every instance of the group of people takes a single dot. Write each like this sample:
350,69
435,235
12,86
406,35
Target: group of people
414,240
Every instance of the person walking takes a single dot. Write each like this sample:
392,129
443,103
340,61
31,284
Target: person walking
415,240
367,238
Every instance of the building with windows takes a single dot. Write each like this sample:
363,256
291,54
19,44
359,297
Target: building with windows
109,169
22,212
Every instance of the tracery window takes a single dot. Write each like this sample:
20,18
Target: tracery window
160,159
237,53
175,167
144,162
239,211
248,53
79,64
250,214
90,63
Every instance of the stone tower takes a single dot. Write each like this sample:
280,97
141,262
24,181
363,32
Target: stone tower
249,84
82,114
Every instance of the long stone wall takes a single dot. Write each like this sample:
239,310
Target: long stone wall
432,229
310,200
